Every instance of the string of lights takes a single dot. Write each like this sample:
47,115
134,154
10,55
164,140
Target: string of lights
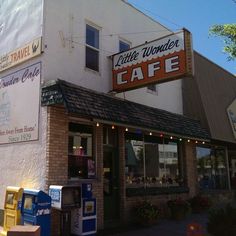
165,136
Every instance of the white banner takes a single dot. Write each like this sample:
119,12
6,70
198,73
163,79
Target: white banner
20,22
19,105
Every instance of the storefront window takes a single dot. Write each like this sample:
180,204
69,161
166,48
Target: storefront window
232,165
134,162
80,148
211,165
152,162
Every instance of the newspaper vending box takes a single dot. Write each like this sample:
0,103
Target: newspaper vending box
36,210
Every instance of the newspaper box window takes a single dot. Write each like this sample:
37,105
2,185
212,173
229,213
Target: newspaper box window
36,210
12,206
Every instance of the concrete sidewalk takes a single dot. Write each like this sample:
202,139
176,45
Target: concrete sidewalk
163,228
169,227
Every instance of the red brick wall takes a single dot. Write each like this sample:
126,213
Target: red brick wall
57,155
57,160
97,185
57,147
190,161
57,167
121,145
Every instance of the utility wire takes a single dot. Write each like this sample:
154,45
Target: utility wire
110,35
129,33
155,14
83,44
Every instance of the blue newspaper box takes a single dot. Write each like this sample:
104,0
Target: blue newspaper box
36,210
84,219
86,190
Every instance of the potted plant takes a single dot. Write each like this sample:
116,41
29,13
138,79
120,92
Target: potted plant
179,208
199,203
221,221
146,213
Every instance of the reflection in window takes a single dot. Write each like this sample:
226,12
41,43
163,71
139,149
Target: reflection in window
152,87
109,136
28,202
123,46
232,165
134,162
10,198
80,148
154,164
211,165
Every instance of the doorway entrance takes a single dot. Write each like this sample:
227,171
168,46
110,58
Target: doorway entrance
111,178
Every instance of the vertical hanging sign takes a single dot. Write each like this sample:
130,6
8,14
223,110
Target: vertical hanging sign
161,60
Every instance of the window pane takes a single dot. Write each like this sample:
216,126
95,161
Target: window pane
161,168
212,172
92,36
92,59
152,87
169,165
220,169
134,163
123,46
232,166
81,162
152,162
109,136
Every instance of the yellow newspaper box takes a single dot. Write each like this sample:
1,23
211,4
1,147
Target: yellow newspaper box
12,215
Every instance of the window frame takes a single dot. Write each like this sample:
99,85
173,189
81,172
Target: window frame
152,91
91,47
212,158
153,190
125,42
92,157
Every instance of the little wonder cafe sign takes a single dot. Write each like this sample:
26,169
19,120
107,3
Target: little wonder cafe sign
158,61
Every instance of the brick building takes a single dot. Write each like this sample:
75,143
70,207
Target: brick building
129,145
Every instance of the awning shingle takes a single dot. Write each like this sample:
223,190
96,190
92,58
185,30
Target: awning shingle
100,106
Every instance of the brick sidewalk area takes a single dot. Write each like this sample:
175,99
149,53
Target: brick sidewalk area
164,228
194,225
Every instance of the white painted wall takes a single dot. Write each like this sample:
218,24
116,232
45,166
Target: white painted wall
20,23
116,20
24,164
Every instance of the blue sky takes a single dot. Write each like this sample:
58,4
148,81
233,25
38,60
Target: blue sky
197,17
